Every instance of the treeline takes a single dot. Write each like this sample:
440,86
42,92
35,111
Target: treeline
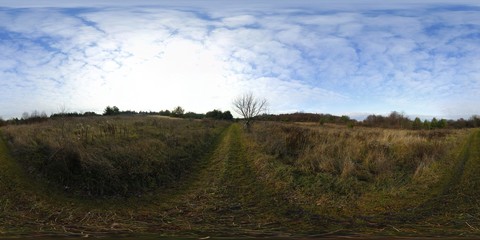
400,121
306,117
177,112
27,118
394,120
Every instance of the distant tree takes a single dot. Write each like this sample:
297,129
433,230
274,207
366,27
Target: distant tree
25,116
398,120
33,117
248,106
374,120
345,118
426,124
128,112
193,115
417,124
165,113
434,123
475,121
322,121
177,112
459,123
217,114
111,111
2,122
35,114
227,115
90,114
108,111
442,123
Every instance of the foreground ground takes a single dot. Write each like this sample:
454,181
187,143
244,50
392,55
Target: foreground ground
229,194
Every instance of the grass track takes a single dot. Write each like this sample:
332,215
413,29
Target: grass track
225,197
453,208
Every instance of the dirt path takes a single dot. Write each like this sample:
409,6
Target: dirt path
227,199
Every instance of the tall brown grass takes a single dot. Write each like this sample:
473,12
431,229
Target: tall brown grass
319,160
111,155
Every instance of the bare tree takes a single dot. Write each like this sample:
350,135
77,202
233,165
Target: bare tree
249,107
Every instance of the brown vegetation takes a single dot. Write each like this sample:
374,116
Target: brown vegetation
338,166
277,180
111,156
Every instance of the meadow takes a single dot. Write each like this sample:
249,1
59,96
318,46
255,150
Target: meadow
111,156
104,175
340,172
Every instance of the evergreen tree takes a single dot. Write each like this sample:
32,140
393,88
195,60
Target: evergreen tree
417,124
434,123
426,124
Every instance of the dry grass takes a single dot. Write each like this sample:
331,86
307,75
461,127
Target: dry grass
333,167
356,181
352,152
111,156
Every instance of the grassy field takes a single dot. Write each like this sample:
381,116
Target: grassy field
371,179
101,156
173,177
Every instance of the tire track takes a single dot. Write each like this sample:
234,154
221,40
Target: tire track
449,203
228,199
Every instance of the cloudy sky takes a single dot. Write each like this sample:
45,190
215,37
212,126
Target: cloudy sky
340,57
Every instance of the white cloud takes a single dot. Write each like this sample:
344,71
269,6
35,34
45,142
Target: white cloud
339,5
238,21
152,58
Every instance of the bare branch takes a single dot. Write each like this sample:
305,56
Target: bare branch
249,107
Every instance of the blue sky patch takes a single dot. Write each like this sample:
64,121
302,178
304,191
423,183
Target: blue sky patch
419,58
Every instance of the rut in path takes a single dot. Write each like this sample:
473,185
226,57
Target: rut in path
459,170
223,197
459,193
228,198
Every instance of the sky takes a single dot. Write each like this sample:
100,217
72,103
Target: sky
343,57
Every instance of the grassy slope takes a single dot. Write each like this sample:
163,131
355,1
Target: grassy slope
226,196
